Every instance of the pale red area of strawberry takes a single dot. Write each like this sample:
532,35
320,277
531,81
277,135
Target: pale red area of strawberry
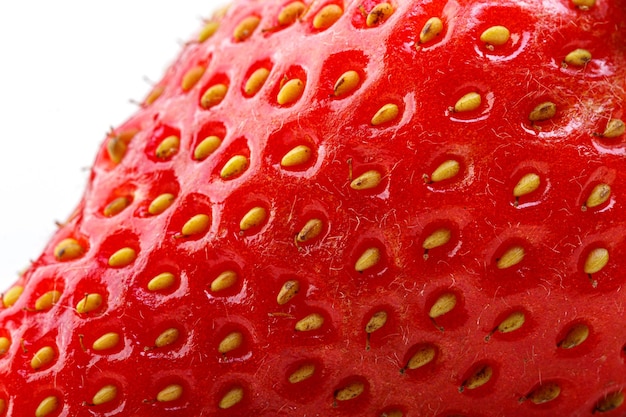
555,227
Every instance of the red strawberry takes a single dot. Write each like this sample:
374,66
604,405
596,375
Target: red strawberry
369,209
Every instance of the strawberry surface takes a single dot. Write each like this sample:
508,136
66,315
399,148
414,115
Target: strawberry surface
357,208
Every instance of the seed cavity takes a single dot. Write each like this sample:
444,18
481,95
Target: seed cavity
89,303
245,28
42,358
478,378
424,355
106,341
47,300
596,260
161,203
309,323
310,230
168,147
495,36
224,281
105,395
231,398
68,250
575,336
234,166
610,402
206,147
116,206
10,297
368,259
47,406
599,195
256,81
170,393
527,184
253,218
577,58
367,180
297,156
196,225
290,92
191,77
208,31
379,14
288,291
614,128
304,372
213,96
469,102
231,342
386,114
327,16
432,28
445,171
290,13
544,393
122,258
542,112
350,392
511,257
347,82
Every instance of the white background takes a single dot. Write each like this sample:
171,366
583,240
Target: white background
68,70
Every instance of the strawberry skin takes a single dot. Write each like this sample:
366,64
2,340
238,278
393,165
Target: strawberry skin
347,209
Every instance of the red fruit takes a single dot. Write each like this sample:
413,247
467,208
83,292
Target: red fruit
368,209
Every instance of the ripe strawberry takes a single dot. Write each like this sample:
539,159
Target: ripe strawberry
360,208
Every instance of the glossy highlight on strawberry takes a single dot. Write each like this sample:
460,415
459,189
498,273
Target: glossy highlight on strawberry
410,208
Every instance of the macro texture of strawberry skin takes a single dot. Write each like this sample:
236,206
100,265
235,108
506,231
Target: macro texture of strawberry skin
414,208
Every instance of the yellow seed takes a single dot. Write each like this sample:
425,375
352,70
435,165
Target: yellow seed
290,13
207,31
288,291
575,336
387,113
327,16
253,218
392,413
469,102
446,170
527,184
5,344
223,281
376,322
513,322
584,4
47,300
544,393
610,402
161,203
116,206
290,91
168,147
122,258
578,57
89,303
191,77
106,341
311,322
438,238
206,147
350,392
213,96
444,304
543,111
256,81
368,259
304,372
161,282
479,378
42,357
495,35
367,180
379,14
231,398
231,342
68,249
47,406
598,196
299,155
245,29
234,166
423,356
614,128
310,230
512,256
346,83
154,95
116,148
3,406
596,260
104,395
432,28
170,393
168,337
196,225
12,295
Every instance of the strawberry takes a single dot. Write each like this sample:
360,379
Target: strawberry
359,208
